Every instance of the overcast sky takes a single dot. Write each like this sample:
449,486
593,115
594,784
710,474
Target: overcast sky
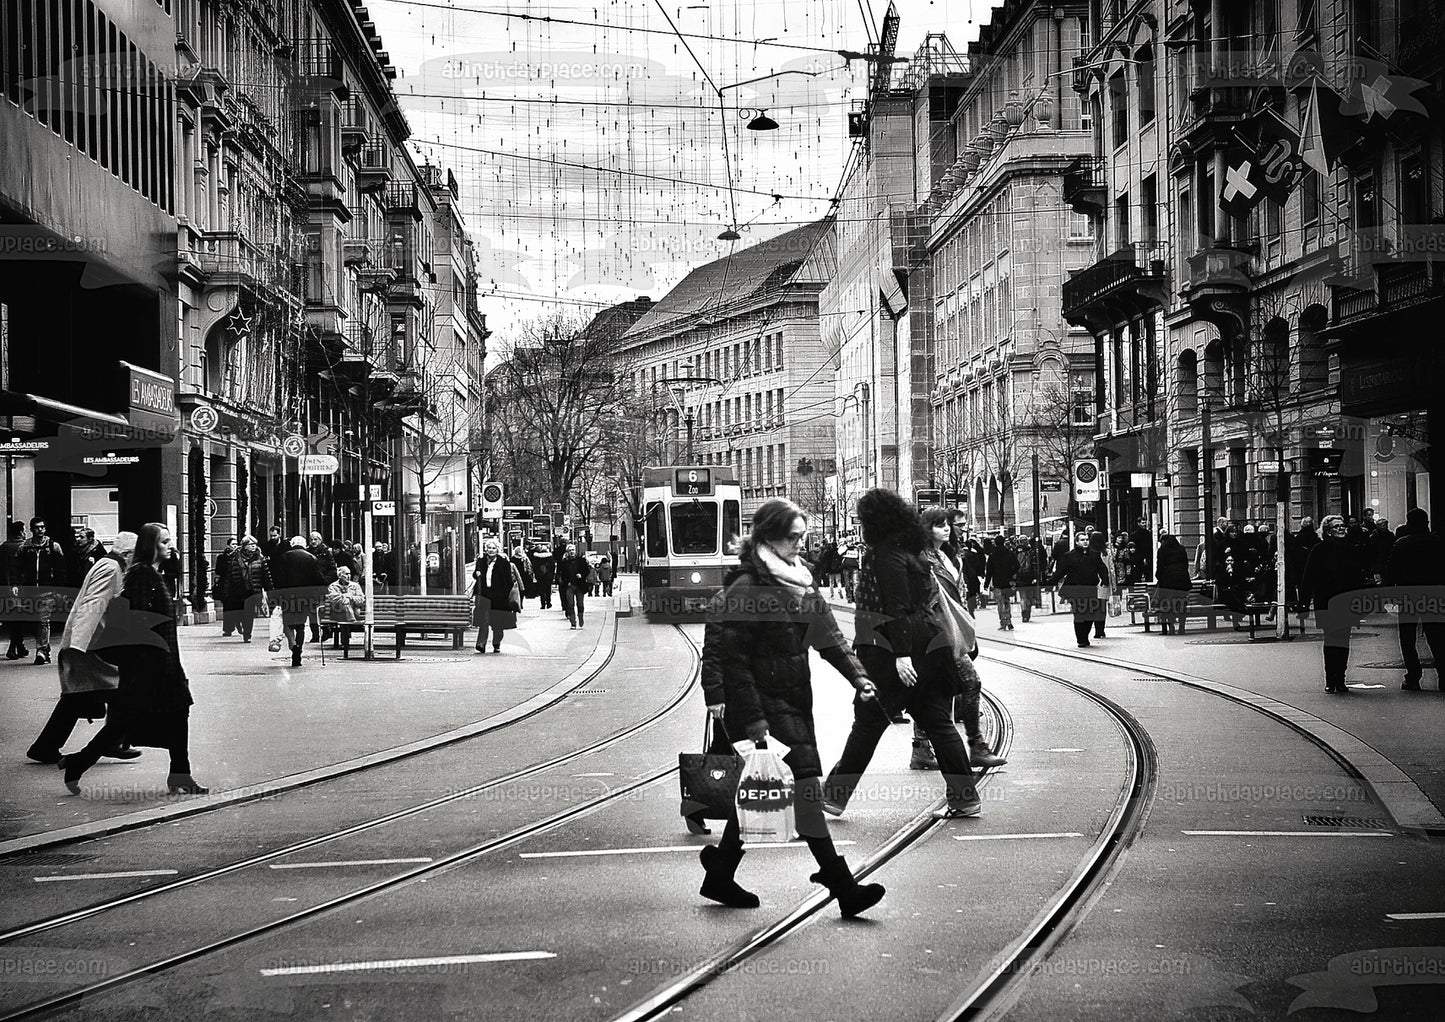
591,157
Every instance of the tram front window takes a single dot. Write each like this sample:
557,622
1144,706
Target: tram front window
694,528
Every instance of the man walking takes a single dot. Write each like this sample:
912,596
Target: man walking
574,576
86,678
42,566
301,588
1417,561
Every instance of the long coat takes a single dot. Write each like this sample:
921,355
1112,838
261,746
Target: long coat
898,615
493,592
1334,568
755,659
1079,573
81,668
154,696
300,586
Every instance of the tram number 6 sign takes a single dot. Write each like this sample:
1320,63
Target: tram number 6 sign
1086,480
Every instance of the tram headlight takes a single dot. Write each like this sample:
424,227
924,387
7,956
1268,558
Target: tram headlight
695,577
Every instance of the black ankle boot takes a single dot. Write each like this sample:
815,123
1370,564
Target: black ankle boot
719,885
852,896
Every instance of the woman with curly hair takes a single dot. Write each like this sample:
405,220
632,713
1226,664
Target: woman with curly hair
901,641
756,680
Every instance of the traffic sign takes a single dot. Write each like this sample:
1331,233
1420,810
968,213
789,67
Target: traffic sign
491,500
294,445
516,513
1086,480
318,465
384,508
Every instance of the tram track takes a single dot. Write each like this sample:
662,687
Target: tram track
988,996
448,861
225,800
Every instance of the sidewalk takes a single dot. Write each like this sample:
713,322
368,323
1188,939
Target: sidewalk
259,724
1391,738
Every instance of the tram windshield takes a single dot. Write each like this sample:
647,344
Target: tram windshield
694,527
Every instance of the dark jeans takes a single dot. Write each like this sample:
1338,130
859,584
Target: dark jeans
1081,631
1410,628
572,603
930,703
1337,627
69,709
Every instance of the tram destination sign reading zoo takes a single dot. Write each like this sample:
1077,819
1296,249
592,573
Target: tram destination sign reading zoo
692,482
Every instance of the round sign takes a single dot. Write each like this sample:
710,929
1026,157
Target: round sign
1086,472
294,445
491,493
211,507
204,418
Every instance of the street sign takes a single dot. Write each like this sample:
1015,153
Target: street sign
1269,468
1051,485
317,465
516,513
293,446
927,498
384,508
1086,480
1141,480
491,500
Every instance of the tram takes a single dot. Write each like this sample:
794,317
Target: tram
691,530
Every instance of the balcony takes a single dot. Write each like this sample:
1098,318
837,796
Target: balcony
403,197
1084,186
1219,286
353,364
1397,286
375,165
354,128
1215,111
319,71
1114,290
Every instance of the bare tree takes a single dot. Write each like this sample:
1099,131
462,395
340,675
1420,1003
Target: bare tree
553,399
1051,420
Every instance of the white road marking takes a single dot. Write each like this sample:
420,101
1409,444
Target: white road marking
659,848
345,862
1063,750
1410,916
109,876
1288,833
594,775
1010,837
407,963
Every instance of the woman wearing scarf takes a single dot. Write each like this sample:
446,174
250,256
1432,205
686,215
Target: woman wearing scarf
960,630
249,583
494,577
899,640
756,681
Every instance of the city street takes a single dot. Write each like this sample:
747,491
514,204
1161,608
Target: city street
1186,828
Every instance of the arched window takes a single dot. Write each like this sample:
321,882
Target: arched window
1187,383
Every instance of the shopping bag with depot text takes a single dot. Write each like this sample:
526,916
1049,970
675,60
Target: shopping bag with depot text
765,794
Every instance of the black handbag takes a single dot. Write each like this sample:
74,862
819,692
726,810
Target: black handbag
709,779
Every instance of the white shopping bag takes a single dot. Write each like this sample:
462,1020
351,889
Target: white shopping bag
277,633
765,794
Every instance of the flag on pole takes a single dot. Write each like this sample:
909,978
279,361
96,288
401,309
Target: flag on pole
1243,186
1279,155
1326,133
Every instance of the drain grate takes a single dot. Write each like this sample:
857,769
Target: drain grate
50,859
591,691
1151,677
1346,821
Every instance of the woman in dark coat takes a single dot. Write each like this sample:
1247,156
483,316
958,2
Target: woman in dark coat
494,576
152,704
898,637
1079,574
1334,571
1171,591
756,680
249,583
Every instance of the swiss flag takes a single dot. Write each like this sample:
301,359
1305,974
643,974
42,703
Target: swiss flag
1244,185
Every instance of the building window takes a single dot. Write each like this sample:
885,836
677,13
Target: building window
1123,235
1149,212
1145,57
1365,27
1307,23
1414,191
1119,108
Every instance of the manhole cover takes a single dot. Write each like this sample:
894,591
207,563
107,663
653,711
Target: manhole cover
49,859
1346,821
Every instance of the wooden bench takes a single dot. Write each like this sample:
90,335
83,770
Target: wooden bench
414,615
1199,603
